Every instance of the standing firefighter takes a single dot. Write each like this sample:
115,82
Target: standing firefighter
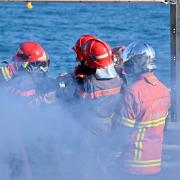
97,97
101,82
143,111
31,81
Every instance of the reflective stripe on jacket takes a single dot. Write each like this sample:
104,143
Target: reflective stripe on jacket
94,88
25,93
144,109
22,85
98,99
7,72
35,89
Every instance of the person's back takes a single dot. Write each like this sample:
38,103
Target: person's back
150,99
143,111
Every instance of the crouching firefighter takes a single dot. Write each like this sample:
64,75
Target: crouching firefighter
142,113
31,82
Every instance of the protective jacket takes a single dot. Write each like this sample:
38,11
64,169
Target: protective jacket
33,89
98,98
143,112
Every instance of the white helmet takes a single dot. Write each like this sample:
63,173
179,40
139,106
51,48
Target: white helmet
138,57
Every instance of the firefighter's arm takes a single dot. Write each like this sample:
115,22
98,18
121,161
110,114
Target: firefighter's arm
7,71
50,97
66,87
126,115
47,98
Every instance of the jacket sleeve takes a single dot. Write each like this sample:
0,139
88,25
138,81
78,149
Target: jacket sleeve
126,115
130,108
66,87
7,72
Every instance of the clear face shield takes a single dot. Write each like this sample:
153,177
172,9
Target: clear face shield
38,67
35,67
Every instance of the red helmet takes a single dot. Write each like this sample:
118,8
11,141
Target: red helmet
31,51
79,43
97,54
32,55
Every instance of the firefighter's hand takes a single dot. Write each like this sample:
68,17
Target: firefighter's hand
48,98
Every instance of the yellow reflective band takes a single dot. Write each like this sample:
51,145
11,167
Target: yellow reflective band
43,57
152,123
154,120
7,73
128,122
139,144
4,74
144,165
144,162
25,64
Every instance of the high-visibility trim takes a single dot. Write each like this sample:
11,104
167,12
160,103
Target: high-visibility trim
7,73
152,123
128,122
147,163
102,56
25,64
99,93
81,93
4,73
139,144
43,57
144,161
105,92
144,165
26,93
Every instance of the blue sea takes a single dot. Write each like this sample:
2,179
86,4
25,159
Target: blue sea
57,26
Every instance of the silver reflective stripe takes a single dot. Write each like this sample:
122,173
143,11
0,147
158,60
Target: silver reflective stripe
102,56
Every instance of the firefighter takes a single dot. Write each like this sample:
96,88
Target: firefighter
69,81
97,97
30,79
81,69
101,81
142,113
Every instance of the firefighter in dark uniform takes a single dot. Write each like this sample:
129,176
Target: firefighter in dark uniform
97,97
30,83
68,82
